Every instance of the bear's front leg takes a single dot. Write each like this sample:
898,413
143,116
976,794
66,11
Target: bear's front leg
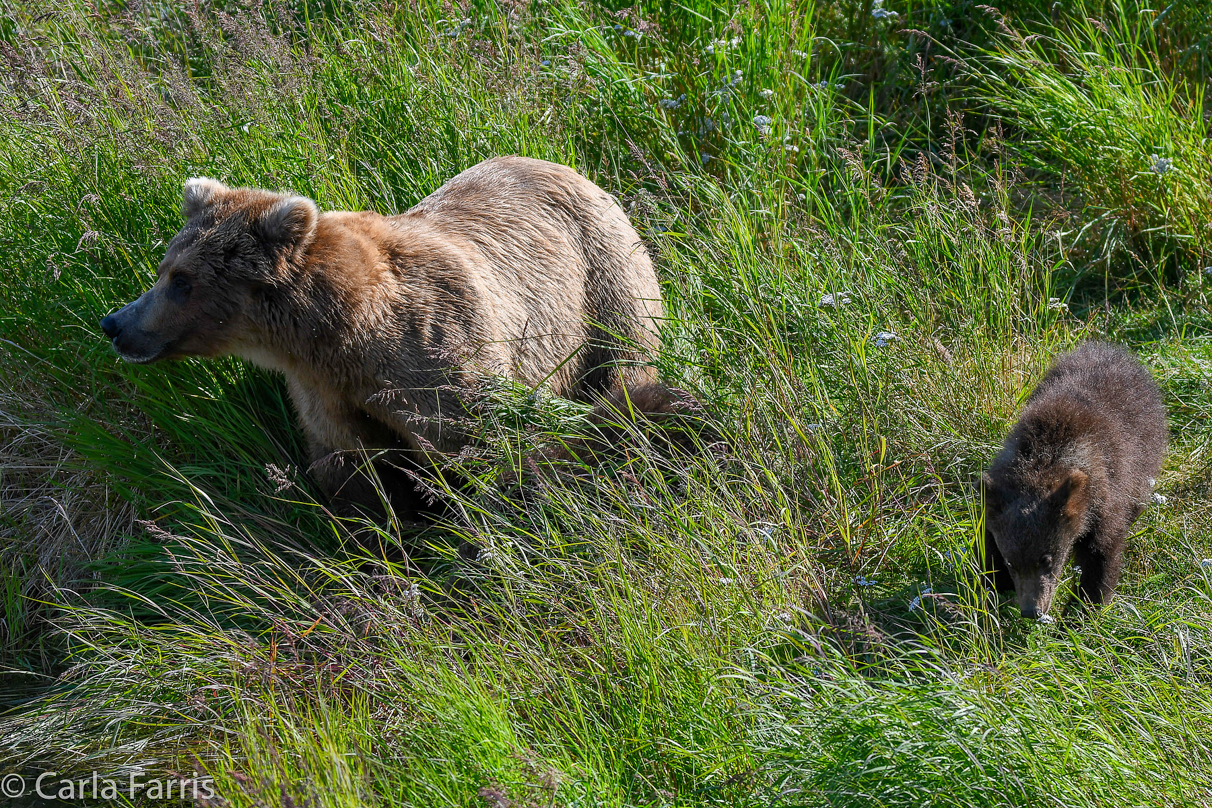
357,462
1102,562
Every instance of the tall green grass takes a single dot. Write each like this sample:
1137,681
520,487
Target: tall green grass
1110,125
857,294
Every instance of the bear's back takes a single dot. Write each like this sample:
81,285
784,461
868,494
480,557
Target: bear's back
557,255
1100,395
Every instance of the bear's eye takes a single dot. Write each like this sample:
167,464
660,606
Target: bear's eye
180,285
1045,561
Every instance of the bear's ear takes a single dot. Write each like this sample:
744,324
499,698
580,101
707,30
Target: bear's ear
290,222
1073,494
200,194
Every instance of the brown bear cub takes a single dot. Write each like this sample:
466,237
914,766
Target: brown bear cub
1075,472
386,327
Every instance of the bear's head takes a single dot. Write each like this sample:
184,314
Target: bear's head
1035,528
236,244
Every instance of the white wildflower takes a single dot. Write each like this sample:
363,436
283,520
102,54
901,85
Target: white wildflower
672,103
1206,564
793,149
765,531
916,603
722,45
632,34
880,13
1046,619
1056,304
1161,165
762,122
725,582
1159,499
766,93
883,338
829,301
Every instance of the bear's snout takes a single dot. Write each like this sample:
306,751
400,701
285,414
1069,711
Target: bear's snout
1034,595
111,326
128,334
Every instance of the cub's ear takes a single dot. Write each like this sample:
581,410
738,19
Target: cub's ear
1073,494
290,222
200,194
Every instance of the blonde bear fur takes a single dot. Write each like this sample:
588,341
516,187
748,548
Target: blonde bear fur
384,325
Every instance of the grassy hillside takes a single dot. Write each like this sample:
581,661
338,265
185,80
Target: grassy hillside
875,226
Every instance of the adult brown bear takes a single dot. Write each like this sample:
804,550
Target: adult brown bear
385,325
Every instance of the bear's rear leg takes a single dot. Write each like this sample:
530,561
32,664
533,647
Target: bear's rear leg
679,418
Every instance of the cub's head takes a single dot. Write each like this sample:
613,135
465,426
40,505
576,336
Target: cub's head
236,244
1035,530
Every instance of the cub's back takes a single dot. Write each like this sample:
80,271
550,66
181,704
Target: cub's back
1112,383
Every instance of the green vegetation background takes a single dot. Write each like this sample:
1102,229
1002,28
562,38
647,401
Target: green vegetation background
875,225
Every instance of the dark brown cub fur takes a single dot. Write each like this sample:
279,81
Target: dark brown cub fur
1075,472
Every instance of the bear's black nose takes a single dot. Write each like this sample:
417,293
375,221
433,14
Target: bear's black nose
109,324
1029,612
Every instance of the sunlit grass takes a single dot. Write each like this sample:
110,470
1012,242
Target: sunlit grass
785,621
